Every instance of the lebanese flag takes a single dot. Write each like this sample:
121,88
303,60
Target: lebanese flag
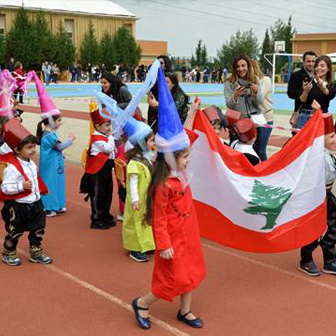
276,206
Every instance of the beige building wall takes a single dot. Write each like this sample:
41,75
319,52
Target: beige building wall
320,43
80,23
150,50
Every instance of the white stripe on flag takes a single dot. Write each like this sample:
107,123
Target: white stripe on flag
214,184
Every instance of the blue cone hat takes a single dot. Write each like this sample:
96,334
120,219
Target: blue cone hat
171,136
136,131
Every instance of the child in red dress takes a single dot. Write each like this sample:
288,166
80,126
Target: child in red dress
179,262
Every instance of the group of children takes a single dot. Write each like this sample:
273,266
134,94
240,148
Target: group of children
159,214
30,194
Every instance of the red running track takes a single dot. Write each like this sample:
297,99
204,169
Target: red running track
89,287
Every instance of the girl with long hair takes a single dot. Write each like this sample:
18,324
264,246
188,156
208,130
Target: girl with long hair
179,262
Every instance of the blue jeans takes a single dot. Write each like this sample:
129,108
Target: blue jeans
46,78
304,116
262,141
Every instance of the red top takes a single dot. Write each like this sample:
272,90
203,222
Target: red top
12,159
94,163
19,76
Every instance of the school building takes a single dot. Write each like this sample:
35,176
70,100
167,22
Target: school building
76,15
321,43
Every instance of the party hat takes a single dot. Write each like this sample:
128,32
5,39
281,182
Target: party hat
136,131
48,108
14,133
6,101
328,123
171,136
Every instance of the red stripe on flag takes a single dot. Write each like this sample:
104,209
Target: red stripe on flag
292,235
238,163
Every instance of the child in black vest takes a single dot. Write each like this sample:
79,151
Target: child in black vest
97,180
247,134
328,240
21,191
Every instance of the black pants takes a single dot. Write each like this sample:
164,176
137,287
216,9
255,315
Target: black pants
21,217
327,242
101,193
18,96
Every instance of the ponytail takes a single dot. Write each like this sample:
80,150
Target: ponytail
39,132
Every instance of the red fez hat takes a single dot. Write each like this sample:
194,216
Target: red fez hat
211,113
14,133
328,123
232,117
245,130
97,118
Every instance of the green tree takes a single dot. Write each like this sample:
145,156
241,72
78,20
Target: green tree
282,31
42,41
89,50
18,39
267,201
266,48
2,49
198,53
204,57
108,53
243,42
65,51
128,53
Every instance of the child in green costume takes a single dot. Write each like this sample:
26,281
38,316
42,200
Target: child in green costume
137,236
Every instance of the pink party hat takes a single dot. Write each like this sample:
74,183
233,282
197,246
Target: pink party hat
48,108
6,102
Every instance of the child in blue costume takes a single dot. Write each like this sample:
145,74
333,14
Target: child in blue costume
51,156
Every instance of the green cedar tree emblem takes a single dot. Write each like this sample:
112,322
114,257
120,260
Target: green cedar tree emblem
267,201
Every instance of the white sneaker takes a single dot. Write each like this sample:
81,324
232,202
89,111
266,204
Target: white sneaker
51,213
120,218
62,210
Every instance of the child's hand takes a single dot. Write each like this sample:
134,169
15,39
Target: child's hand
27,185
72,137
167,253
196,105
136,206
152,101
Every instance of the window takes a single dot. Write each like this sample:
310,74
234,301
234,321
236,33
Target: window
2,24
128,26
69,28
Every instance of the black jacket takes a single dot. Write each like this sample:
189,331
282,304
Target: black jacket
294,88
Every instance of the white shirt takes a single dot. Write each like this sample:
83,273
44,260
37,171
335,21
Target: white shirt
244,148
12,181
330,168
102,146
4,149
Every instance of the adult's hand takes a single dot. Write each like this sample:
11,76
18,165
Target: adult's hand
239,92
307,86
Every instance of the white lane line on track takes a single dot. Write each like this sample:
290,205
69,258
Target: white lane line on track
271,267
110,297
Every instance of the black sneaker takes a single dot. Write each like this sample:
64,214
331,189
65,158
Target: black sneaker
137,256
310,269
329,268
100,226
109,220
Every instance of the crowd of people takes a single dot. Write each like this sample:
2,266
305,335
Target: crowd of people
150,158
